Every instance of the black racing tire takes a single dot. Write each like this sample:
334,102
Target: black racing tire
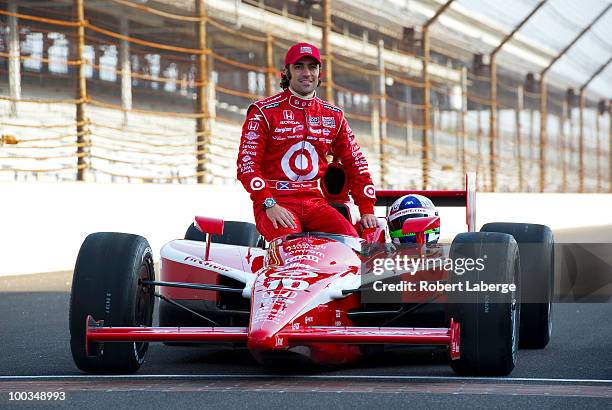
234,233
106,285
536,246
488,320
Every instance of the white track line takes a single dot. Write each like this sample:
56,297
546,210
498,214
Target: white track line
306,377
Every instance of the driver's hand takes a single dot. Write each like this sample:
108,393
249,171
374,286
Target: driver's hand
368,221
280,216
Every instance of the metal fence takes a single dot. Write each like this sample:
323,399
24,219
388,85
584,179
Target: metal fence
119,91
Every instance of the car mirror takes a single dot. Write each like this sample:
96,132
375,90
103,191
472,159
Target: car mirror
209,226
419,226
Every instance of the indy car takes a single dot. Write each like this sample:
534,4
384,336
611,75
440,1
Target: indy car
305,294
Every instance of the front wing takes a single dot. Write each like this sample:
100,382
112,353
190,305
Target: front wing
97,333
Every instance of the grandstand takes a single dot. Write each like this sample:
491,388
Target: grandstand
118,93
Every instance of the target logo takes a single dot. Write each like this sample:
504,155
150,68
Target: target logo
369,191
257,184
301,162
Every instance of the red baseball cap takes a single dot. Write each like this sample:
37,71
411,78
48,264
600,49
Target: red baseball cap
300,50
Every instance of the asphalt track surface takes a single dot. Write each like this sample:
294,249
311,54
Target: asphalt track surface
574,371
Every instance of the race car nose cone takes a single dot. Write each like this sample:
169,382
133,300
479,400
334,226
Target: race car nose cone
265,338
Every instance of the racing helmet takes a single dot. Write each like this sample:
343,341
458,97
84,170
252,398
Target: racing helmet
411,206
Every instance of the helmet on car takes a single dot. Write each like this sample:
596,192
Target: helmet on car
407,207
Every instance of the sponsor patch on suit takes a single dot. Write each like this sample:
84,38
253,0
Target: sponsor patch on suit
329,122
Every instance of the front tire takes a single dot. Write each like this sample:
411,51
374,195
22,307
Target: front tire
488,320
106,285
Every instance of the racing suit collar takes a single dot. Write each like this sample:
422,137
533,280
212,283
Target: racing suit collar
300,102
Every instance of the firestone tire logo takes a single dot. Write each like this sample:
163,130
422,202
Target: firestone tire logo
301,162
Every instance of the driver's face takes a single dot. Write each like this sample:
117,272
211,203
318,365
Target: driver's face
304,75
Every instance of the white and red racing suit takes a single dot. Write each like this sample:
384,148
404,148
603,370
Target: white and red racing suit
283,153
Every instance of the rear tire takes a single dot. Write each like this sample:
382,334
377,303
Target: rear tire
536,246
106,285
234,233
489,321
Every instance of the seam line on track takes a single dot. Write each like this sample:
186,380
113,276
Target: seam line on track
302,377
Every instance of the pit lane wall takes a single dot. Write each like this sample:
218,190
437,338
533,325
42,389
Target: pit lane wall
42,225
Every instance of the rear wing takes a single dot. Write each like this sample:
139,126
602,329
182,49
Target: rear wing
466,198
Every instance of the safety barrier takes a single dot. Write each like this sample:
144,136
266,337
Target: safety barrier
44,224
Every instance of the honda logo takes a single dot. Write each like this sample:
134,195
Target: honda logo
288,115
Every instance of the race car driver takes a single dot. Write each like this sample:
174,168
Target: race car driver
411,206
285,141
